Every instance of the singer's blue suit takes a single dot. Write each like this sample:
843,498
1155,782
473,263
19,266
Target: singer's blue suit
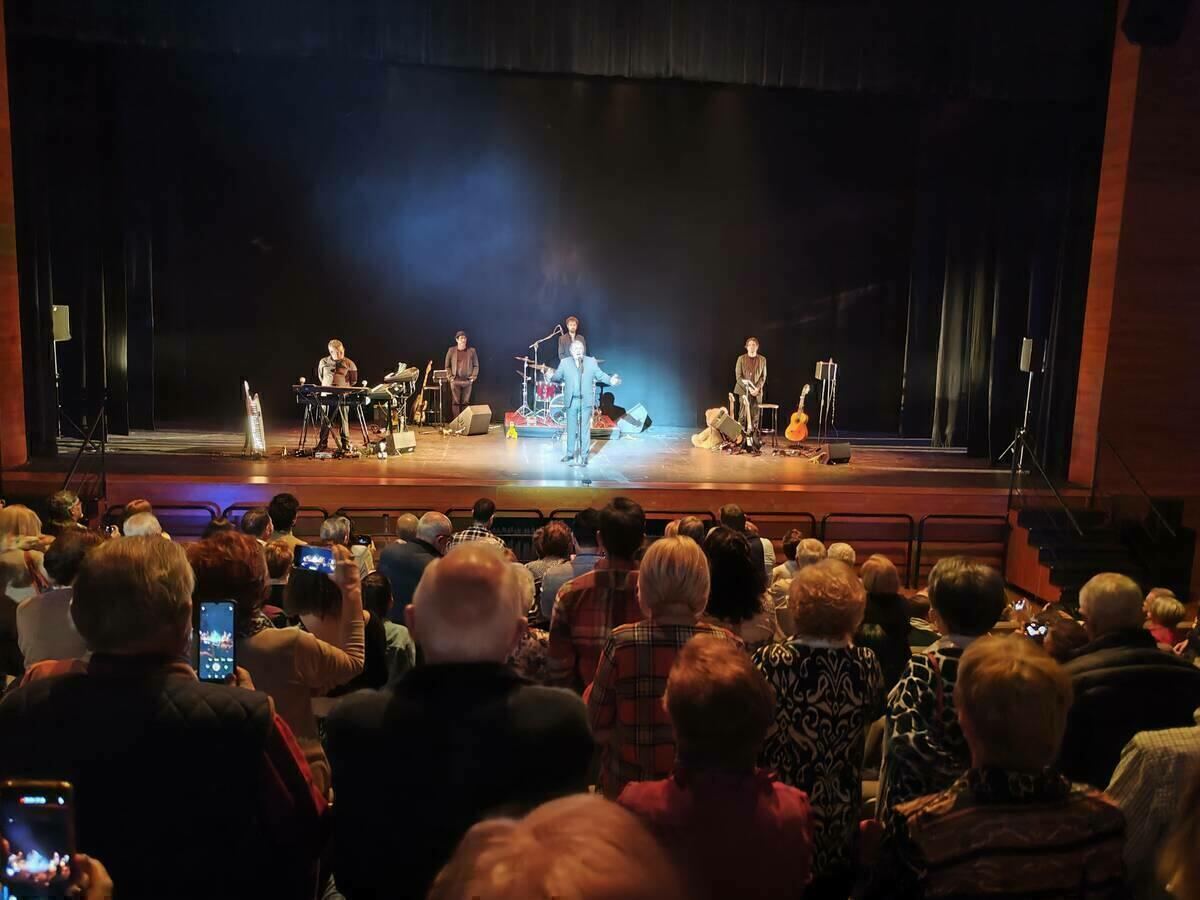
578,381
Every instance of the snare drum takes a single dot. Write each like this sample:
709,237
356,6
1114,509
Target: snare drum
546,390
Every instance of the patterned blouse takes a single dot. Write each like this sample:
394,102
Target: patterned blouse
924,750
826,698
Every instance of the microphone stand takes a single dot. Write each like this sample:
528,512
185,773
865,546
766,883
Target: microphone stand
534,347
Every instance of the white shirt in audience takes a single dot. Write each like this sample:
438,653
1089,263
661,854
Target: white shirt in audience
45,630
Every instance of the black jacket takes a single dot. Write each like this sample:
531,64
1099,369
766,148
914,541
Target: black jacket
403,565
1123,684
418,763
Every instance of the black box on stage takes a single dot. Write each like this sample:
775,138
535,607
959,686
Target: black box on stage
399,442
727,425
634,421
472,420
836,452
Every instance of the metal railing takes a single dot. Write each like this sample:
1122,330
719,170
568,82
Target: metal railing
966,530
885,531
89,441
1097,488
180,519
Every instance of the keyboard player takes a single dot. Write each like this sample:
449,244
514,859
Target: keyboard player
336,370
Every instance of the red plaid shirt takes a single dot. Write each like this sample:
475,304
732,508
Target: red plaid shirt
586,611
625,700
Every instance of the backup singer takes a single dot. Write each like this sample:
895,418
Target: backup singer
462,362
578,374
336,370
566,340
750,374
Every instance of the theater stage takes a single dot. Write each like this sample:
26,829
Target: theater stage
659,467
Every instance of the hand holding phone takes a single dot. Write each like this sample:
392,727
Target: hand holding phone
216,641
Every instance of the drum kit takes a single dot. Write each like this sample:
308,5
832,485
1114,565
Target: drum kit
549,408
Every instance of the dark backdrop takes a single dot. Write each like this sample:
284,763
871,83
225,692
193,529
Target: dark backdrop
211,214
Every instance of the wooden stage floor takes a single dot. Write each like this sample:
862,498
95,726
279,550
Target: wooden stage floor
660,467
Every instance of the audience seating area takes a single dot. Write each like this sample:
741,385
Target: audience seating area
588,703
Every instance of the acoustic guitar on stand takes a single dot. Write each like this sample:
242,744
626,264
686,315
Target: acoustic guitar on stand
797,429
419,405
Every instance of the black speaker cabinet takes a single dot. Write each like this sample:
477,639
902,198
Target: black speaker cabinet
836,452
472,420
399,442
727,425
635,421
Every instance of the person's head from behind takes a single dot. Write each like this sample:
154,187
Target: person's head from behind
65,555
216,526
314,594
279,560
1110,602
336,530
622,527
842,552
731,516
134,596
556,540
1064,636
483,512
693,527
736,580
918,604
827,601
673,580
133,507
406,526
791,543
19,521
1167,611
671,529
376,594
719,704
1012,701
283,510
467,606
435,529
65,506
257,523
142,524
230,566
585,527
965,596
879,575
580,847
809,551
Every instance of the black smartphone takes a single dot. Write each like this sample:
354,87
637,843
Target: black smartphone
313,559
37,818
363,540
216,660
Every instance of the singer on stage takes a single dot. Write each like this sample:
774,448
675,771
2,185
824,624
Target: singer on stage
579,374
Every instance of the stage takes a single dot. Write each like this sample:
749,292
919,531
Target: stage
660,468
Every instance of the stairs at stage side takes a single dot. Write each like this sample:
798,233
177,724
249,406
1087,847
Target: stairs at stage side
1048,559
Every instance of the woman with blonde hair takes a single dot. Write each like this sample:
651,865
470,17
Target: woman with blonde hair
625,697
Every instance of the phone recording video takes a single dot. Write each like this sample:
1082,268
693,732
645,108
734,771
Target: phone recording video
1036,629
37,819
216,659
314,559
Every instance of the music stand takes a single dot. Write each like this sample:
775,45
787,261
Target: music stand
826,373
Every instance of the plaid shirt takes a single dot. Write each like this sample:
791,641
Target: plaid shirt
1146,785
625,698
476,532
586,611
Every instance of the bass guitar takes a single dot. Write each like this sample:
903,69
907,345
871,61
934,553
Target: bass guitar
420,404
797,429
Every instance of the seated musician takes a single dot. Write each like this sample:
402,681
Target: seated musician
336,370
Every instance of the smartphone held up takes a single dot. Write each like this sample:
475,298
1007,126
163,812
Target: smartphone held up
216,660
37,819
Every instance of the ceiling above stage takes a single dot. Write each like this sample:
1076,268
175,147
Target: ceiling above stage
1004,49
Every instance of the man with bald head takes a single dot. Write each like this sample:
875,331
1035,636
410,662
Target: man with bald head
419,762
403,562
1123,683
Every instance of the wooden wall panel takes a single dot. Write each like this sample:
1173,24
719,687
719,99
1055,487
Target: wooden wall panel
13,447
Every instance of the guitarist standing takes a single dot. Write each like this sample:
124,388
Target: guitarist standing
462,363
336,370
751,377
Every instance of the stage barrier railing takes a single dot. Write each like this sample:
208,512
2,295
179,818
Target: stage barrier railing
308,518
982,537
377,521
656,519
182,520
514,526
889,534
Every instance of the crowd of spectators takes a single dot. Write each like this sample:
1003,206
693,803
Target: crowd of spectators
622,716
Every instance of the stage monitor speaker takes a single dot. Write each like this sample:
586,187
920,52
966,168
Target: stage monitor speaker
472,420
727,425
836,452
399,442
634,421
60,320
1027,354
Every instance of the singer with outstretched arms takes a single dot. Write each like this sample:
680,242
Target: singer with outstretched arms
579,374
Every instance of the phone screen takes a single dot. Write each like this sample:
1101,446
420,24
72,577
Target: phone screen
37,820
1036,629
314,559
216,660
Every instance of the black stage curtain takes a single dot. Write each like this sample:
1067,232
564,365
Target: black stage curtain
998,49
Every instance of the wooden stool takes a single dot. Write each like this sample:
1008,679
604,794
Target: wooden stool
773,409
